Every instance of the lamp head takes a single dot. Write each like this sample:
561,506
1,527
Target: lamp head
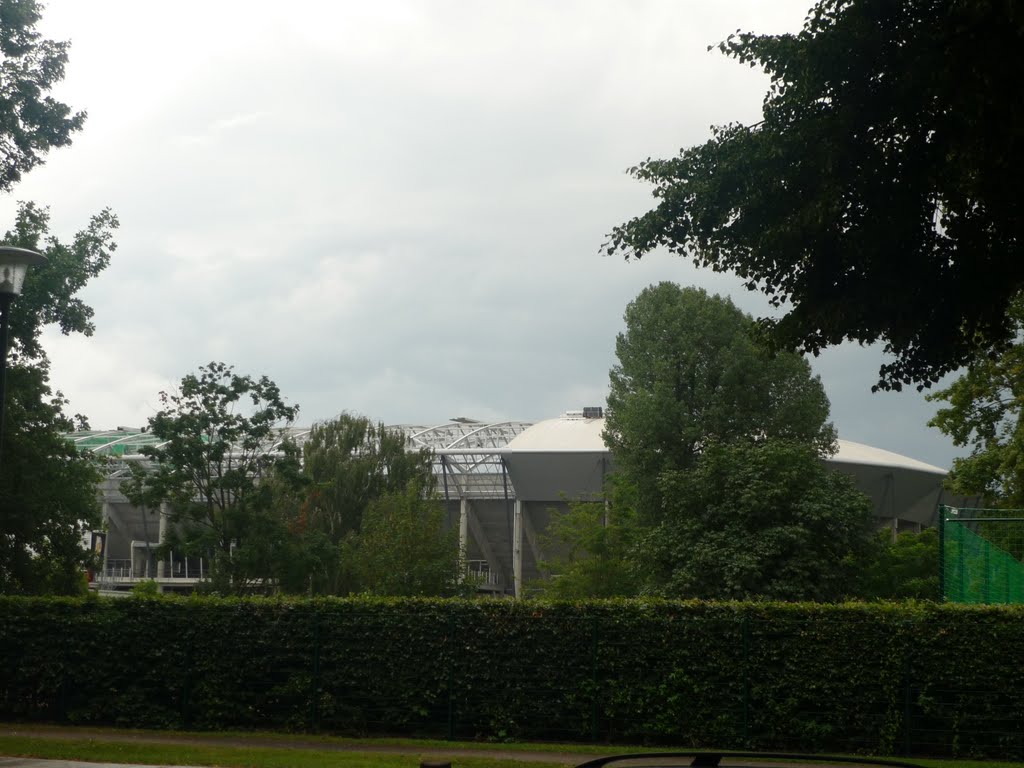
14,263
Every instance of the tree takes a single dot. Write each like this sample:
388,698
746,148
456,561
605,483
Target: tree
907,568
691,372
47,493
591,549
47,490
31,121
348,463
50,295
758,519
984,411
221,435
879,188
405,549
718,446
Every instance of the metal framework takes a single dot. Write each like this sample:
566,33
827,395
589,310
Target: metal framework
467,462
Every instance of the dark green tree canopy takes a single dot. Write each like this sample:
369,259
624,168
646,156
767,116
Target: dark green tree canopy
720,491
405,548
31,121
765,519
47,492
877,200
692,372
349,462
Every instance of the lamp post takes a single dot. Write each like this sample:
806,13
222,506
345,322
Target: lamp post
14,263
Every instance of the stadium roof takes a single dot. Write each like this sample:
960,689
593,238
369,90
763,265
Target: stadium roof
567,457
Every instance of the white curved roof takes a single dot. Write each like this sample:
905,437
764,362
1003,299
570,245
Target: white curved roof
857,453
561,435
579,434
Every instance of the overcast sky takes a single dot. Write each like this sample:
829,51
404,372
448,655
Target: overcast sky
394,208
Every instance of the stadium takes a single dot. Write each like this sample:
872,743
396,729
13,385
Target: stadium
500,483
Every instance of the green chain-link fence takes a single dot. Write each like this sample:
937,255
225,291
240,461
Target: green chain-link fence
981,555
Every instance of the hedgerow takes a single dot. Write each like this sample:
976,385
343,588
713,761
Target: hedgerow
908,678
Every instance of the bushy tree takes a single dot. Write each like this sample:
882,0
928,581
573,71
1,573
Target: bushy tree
405,548
691,372
221,436
721,489
901,569
349,463
47,491
758,519
877,191
591,548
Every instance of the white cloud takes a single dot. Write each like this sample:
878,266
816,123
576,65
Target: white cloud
395,207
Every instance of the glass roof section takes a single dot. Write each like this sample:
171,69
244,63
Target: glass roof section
466,451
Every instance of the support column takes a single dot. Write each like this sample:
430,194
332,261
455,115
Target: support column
107,521
464,528
517,549
161,564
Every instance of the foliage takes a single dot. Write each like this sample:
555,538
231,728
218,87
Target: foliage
878,678
47,490
720,442
765,519
50,291
405,548
907,568
349,463
47,493
888,157
590,550
220,435
148,588
690,372
31,121
984,411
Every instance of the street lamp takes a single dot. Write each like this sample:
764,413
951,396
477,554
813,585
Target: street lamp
14,263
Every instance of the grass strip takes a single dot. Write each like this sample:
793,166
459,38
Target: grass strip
295,751
93,750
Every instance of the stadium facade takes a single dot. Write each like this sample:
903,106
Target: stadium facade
500,483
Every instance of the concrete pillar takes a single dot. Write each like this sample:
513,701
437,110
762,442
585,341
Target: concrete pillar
108,513
161,564
464,527
517,549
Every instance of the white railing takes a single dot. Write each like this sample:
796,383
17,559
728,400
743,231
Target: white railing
481,570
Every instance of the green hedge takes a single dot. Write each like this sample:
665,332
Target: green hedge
918,679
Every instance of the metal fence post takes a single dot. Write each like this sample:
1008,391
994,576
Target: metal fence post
942,554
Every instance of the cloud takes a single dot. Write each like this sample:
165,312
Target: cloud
393,208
